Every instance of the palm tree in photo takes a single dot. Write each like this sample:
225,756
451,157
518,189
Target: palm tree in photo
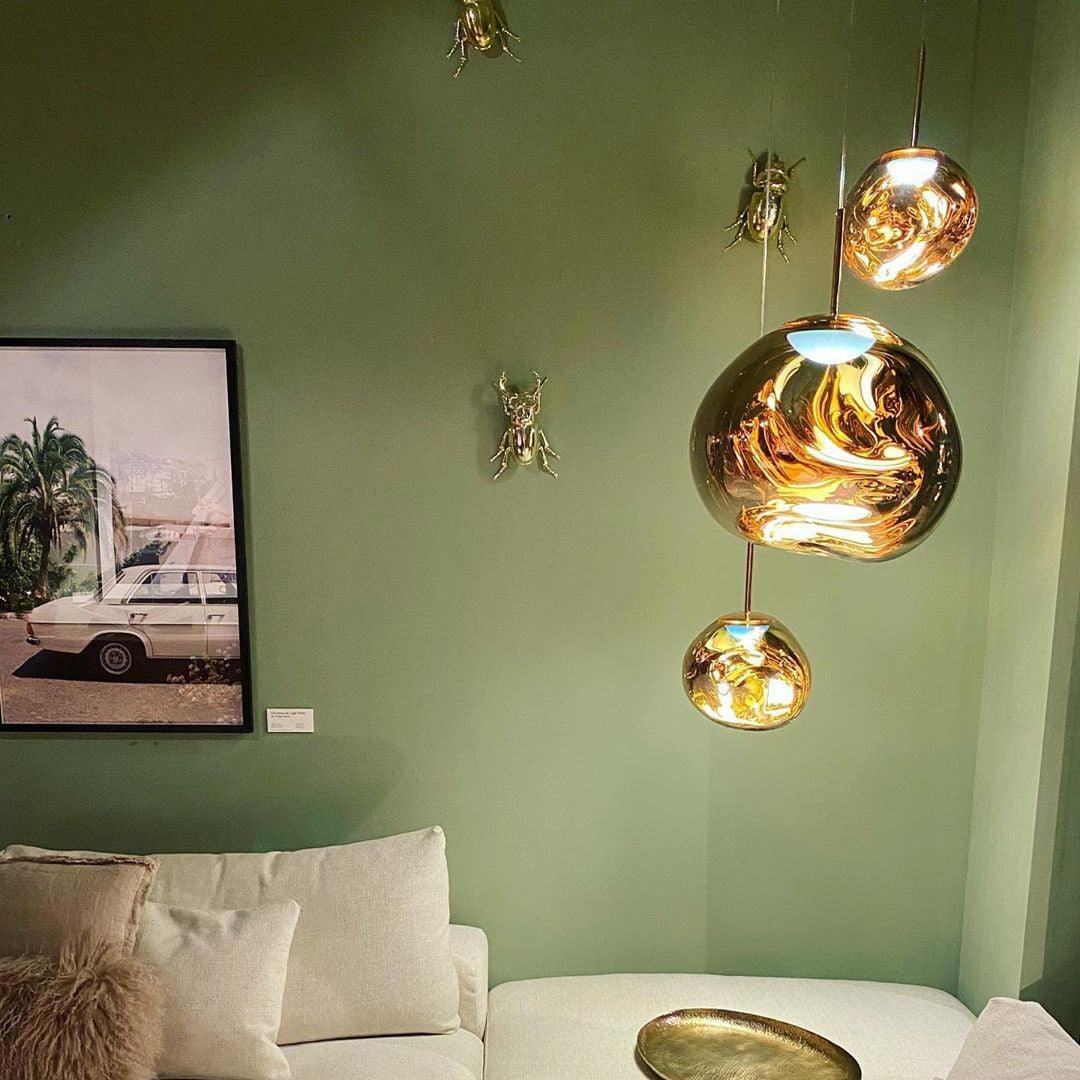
49,486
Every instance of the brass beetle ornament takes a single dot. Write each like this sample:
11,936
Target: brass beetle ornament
764,217
524,438
482,25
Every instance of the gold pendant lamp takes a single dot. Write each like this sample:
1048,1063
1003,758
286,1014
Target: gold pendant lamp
911,213
830,435
746,670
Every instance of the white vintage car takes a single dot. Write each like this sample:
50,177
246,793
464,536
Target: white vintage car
148,612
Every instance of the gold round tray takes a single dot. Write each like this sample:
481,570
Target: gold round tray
715,1044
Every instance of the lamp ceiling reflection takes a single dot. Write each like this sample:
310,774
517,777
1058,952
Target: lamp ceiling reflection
909,171
832,345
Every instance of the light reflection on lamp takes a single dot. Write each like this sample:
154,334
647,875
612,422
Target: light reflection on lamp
832,511
892,269
747,634
911,169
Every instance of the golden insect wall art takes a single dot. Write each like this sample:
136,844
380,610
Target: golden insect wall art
764,214
482,25
523,439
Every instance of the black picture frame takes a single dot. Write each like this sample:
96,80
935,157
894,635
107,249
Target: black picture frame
230,359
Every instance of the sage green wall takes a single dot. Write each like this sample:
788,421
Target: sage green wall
1035,583
504,659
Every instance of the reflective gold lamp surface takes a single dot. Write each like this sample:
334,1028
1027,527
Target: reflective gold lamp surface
911,213
831,436
747,671
909,216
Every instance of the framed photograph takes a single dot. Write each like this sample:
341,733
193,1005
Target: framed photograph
123,593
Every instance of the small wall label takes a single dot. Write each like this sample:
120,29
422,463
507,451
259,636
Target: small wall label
290,720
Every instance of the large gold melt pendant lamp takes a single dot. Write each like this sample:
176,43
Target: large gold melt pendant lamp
828,436
911,213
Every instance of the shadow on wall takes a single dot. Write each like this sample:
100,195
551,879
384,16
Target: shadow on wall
490,422
154,88
308,809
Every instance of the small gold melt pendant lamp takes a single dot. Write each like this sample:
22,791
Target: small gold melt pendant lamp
828,436
746,670
911,213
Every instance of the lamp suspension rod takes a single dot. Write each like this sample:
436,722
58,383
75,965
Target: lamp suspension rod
838,235
748,585
920,75
749,590
838,263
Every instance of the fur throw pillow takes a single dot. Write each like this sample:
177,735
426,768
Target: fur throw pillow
91,1013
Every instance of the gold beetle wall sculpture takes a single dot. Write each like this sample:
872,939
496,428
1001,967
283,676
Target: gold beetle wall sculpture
482,25
524,438
764,217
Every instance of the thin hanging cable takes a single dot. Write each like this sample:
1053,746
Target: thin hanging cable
748,590
768,165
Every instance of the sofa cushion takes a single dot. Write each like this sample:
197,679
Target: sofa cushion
224,975
1017,1040
371,953
585,1027
49,901
459,1056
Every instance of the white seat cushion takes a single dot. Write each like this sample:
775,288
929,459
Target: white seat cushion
459,1056
586,1027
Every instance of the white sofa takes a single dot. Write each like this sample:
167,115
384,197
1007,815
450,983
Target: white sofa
390,899
584,1028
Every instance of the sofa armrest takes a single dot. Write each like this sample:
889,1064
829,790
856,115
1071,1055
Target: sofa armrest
469,946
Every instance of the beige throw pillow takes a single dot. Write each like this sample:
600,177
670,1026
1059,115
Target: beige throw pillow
224,976
1017,1040
49,901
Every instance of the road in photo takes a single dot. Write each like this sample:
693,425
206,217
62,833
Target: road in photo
48,688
